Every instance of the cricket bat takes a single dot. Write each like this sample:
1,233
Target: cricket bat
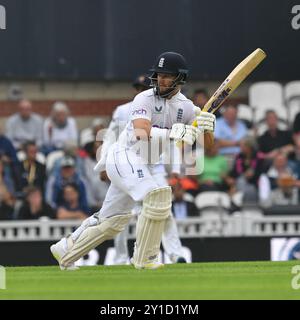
234,79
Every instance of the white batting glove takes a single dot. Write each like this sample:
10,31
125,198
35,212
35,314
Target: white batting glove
184,133
206,121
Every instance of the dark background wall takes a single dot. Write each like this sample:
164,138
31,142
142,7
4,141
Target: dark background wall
202,250
116,39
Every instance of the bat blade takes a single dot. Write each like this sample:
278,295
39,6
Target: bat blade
234,79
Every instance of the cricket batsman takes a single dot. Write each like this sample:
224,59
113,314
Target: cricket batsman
158,116
170,239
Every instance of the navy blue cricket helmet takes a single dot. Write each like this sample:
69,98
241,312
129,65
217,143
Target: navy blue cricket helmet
169,63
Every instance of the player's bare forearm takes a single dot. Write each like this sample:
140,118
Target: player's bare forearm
142,128
206,140
209,140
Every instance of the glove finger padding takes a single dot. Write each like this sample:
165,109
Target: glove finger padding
185,133
178,131
206,121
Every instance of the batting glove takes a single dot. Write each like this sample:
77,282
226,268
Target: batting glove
184,133
206,121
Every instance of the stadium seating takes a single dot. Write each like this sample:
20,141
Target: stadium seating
40,156
245,113
212,199
265,96
51,158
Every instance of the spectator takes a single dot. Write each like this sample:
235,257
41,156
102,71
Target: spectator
56,183
213,171
33,173
90,134
7,204
7,200
294,157
24,126
8,150
96,189
182,208
189,184
200,98
9,157
247,168
70,150
296,124
59,128
71,207
229,132
34,207
274,140
278,185
6,180
286,194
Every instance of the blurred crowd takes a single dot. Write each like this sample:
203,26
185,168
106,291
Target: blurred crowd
46,165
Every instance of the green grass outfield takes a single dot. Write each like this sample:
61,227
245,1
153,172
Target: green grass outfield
237,280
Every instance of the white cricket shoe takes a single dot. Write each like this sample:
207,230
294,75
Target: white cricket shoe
58,252
177,259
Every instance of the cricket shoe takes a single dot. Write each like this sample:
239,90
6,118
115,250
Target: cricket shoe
181,260
177,259
149,266
58,251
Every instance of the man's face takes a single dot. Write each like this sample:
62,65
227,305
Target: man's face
280,161
31,152
25,109
165,81
67,172
60,117
230,114
200,99
70,194
272,120
35,198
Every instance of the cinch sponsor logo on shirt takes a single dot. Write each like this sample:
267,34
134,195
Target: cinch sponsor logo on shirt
139,112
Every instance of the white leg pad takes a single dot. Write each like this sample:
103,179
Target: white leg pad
94,236
151,222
